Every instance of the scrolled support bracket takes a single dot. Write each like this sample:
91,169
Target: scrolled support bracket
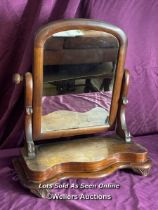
122,129
30,147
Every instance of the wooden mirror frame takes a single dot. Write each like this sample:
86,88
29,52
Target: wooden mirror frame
40,39
117,152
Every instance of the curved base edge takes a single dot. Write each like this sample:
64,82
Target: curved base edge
142,169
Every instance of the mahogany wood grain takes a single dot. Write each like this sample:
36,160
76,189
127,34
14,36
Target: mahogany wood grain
81,155
121,128
139,168
28,115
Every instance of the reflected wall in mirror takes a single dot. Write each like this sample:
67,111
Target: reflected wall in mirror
78,79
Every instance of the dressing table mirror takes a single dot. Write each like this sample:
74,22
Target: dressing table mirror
77,93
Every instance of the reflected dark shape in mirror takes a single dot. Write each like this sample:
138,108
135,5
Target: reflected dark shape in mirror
78,77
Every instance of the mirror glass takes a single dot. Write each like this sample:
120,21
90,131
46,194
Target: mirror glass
78,78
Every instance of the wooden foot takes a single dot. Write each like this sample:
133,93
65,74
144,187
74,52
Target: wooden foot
31,150
143,169
41,193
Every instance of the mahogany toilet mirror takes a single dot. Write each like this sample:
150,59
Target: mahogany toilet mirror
78,88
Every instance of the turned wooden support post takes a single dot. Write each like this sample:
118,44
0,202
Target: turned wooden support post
17,79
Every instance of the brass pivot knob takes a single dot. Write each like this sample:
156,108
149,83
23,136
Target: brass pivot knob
17,78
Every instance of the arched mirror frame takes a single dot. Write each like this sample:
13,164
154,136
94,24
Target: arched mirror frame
40,39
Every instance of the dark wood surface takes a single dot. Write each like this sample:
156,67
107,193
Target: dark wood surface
142,169
29,144
80,155
64,160
121,128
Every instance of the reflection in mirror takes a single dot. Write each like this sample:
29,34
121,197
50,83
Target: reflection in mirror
78,77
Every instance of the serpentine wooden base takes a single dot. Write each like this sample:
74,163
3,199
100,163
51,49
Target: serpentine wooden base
82,158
